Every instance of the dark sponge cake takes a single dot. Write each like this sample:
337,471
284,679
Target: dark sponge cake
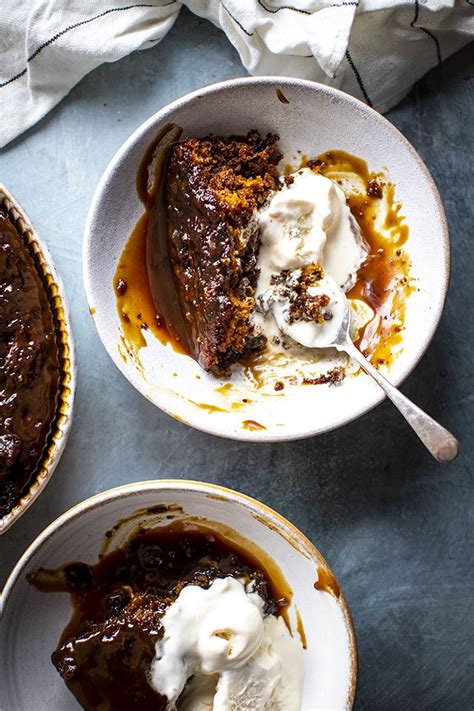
106,663
213,187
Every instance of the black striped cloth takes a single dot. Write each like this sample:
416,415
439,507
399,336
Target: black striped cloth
374,49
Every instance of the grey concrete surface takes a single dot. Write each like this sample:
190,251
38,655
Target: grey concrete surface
397,527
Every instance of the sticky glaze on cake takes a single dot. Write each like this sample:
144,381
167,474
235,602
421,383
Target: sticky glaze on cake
29,366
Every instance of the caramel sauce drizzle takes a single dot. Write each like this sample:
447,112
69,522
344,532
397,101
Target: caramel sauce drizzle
252,425
326,582
383,281
300,630
135,305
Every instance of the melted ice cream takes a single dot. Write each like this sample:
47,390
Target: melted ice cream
237,658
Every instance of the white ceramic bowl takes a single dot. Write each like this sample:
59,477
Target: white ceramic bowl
317,118
61,424
32,621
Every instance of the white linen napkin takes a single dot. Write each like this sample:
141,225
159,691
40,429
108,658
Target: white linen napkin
374,49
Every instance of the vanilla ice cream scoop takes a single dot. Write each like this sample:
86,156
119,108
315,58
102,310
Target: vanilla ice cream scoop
295,223
237,658
306,222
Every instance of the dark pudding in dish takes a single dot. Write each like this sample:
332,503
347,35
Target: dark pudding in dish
118,631
29,366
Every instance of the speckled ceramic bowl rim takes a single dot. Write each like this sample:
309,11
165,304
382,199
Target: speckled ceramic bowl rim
161,116
61,424
268,516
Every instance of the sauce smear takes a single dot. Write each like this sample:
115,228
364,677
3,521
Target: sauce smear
135,304
383,281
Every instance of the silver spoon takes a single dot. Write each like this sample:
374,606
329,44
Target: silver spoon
439,442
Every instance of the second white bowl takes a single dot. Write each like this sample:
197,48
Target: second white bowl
32,621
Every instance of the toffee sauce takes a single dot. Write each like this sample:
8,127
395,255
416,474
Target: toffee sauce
252,425
383,281
143,276
326,582
134,300
300,630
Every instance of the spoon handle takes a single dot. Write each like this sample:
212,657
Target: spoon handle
439,442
